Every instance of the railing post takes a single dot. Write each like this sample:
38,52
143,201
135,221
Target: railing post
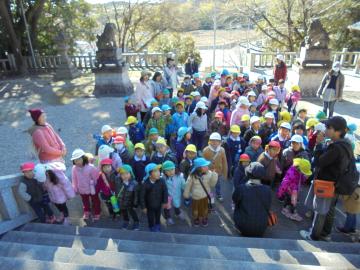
357,65
146,58
12,61
90,60
251,61
343,56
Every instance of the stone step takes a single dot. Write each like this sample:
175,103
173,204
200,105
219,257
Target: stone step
26,264
185,250
138,261
205,240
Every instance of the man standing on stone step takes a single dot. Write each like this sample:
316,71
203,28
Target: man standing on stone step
332,165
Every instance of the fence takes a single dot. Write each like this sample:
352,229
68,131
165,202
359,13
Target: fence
7,65
266,60
14,211
348,59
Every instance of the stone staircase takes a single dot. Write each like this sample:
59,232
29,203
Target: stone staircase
49,247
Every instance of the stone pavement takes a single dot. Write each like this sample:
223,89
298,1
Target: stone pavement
76,117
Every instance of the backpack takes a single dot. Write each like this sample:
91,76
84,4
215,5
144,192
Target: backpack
348,181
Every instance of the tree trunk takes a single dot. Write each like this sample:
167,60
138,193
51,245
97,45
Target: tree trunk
14,41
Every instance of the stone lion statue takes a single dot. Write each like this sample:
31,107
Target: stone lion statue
317,36
107,39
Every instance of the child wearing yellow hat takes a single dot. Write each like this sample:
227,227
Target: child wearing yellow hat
290,187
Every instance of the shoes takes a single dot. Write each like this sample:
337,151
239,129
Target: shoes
286,212
170,221
181,216
157,227
136,226
125,225
219,198
86,215
187,202
96,217
152,229
51,220
343,230
204,222
309,214
66,221
196,223
306,235
326,238
295,216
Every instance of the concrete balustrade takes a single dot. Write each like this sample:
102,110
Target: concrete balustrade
14,211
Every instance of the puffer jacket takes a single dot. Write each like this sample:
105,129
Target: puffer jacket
61,192
291,182
153,195
175,186
288,156
194,187
83,177
128,194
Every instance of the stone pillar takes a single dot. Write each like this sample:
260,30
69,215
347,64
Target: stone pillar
66,69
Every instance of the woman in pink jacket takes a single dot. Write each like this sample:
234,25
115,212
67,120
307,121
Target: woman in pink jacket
47,142
242,107
60,191
84,178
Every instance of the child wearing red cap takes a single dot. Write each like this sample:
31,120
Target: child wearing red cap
218,124
239,177
33,192
106,185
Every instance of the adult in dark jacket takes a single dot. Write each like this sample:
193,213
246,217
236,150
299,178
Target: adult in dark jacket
191,67
252,203
331,164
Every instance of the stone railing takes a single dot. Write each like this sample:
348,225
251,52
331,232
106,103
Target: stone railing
7,65
348,59
266,60
14,211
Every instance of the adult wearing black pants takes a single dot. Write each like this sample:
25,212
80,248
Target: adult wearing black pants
331,89
191,66
330,166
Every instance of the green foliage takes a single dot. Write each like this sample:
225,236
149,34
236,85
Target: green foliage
72,17
183,44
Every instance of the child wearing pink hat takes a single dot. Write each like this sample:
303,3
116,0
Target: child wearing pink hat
32,192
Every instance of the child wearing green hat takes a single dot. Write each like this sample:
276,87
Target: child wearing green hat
165,98
128,196
153,196
290,187
150,143
175,183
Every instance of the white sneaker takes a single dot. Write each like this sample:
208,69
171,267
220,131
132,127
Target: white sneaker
170,221
181,216
66,222
306,235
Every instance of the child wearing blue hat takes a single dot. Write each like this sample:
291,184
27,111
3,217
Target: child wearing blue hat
154,196
175,183
182,140
199,185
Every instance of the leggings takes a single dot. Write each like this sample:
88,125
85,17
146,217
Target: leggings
329,105
62,208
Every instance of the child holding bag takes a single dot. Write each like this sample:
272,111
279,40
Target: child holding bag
290,187
84,177
175,183
199,184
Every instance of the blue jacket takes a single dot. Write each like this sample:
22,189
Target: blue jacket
175,186
252,153
179,149
239,177
233,150
180,120
101,141
137,133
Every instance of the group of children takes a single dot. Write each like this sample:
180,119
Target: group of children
184,148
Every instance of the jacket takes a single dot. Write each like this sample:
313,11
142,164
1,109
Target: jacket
280,71
218,161
191,68
137,132
239,177
83,177
143,96
128,195
254,155
31,190
194,187
340,82
160,124
111,187
179,149
270,167
233,149
156,158
101,141
153,195
334,161
47,142
237,114
291,182
175,186
218,126
138,166
252,205
179,120
61,192
249,134
288,156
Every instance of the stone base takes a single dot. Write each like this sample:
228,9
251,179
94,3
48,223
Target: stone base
113,81
309,79
66,72
315,57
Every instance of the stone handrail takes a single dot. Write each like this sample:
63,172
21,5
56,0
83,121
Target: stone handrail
8,65
266,60
346,59
14,211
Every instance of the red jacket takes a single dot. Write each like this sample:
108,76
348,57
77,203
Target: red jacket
280,72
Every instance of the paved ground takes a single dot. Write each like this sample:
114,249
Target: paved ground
76,117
